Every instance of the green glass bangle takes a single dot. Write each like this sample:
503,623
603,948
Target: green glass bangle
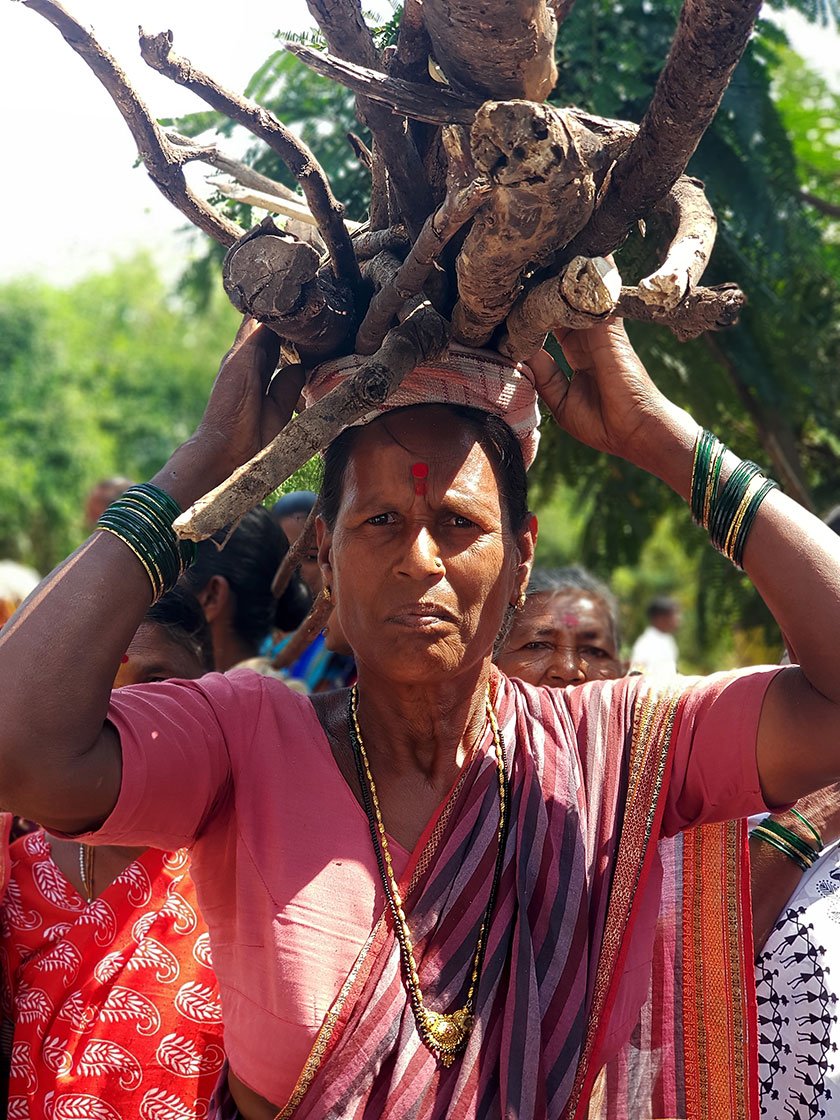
804,820
770,839
154,577
163,507
727,505
802,846
157,550
702,454
737,551
141,539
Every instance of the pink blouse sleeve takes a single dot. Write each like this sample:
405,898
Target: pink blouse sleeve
714,775
180,741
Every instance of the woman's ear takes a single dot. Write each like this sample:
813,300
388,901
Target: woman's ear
324,538
214,597
526,543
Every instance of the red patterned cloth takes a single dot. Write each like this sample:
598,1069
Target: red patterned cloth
114,1002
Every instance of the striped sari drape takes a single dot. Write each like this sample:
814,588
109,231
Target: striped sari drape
585,816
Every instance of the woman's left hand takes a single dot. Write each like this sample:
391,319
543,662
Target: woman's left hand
610,403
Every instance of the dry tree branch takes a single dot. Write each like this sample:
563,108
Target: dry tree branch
234,167
348,36
695,228
501,51
162,160
708,44
297,551
458,207
305,634
423,336
584,294
289,208
410,60
433,103
157,52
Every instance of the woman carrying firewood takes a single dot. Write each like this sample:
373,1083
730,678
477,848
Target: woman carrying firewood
436,894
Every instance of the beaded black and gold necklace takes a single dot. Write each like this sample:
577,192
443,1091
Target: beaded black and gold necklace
445,1034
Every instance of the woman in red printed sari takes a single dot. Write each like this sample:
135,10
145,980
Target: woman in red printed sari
434,895
107,986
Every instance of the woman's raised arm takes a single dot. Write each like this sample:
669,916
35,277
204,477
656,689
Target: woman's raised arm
60,760
792,558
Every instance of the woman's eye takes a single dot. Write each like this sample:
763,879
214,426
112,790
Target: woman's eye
462,522
381,519
594,652
536,645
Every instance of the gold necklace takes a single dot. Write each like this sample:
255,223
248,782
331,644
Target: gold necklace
445,1035
86,854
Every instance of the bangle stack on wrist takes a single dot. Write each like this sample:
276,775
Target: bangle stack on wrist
727,513
142,519
784,840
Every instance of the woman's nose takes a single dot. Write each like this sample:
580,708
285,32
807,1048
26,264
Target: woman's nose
566,666
422,557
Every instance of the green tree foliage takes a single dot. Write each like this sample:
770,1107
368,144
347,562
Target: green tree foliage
103,378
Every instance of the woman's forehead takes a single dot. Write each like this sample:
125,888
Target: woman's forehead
570,609
426,446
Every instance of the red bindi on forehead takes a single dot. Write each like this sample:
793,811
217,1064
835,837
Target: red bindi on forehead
420,472
570,620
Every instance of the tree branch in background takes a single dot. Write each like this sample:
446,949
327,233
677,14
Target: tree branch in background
349,37
162,160
496,50
157,52
433,103
708,44
422,337
410,60
297,552
277,279
830,209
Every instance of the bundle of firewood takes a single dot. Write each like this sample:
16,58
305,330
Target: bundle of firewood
491,211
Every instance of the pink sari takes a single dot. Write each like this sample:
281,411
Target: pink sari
580,873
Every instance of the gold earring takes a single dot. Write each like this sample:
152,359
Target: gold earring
520,602
327,593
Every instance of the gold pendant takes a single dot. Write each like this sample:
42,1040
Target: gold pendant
447,1035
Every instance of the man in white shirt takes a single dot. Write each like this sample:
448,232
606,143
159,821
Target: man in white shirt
655,650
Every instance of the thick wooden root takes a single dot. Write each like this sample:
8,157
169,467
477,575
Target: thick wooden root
277,279
422,337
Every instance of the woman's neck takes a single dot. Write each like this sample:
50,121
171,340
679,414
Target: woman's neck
426,729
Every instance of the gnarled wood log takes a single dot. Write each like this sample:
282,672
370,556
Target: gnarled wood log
297,552
543,164
497,50
278,279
